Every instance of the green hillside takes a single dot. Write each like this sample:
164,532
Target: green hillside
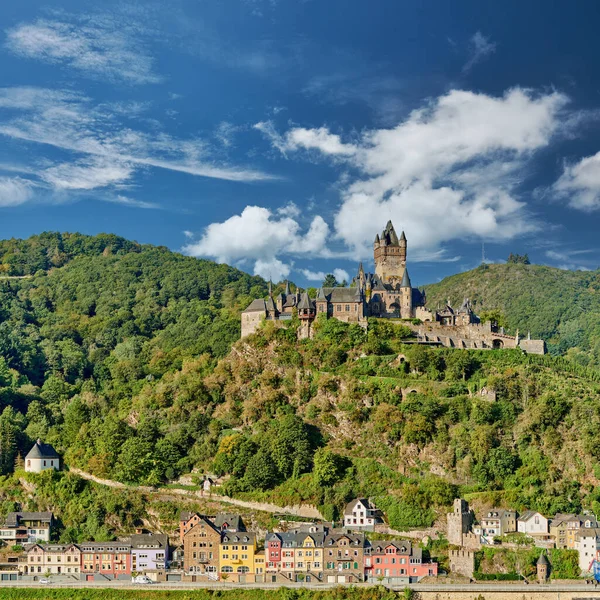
562,307
127,359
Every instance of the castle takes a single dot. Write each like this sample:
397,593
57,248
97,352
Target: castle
387,293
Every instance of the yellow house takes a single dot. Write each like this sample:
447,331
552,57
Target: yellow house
236,555
309,553
259,564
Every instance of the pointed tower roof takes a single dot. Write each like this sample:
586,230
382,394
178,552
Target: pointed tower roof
360,268
405,280
270,288
321,294
287,288
542,560
304,301
402,236
377,239
389,234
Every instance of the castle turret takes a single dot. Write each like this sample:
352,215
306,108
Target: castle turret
390,256
406,307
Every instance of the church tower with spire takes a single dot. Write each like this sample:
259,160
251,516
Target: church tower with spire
390,256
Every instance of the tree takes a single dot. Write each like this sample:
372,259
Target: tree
290,447
330,281
261,472
326,467
495,316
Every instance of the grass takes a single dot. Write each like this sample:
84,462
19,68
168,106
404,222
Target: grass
340,593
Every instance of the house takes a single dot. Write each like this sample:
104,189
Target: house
149,551
343,557
396,562
532,523
105,560
26,527
229,522
201,548
273,554
565,527
41,458
236,556
361,514
56,559
588,545
259,565
497,522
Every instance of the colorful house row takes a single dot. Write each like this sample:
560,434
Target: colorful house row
222,549
99,560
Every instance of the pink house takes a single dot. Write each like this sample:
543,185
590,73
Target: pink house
398,558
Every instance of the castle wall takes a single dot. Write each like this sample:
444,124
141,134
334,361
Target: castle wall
251,322
462,562
533,346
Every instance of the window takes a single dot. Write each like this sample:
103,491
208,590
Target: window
339,308
227,569
347,308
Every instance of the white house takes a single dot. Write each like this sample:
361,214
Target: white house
588,544
495,523
532,523
361,513
41,458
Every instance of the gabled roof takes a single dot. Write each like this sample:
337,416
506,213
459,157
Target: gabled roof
149,540
41,450
528,514
352,504
241,537
230,520
14,518
257,305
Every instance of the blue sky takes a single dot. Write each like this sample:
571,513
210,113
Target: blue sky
281,135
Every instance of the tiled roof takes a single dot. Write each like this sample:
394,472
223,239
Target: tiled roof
257,305
41,450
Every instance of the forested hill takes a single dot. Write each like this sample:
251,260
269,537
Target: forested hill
562,307
114,306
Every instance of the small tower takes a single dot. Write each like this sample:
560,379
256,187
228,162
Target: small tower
543,568
406,307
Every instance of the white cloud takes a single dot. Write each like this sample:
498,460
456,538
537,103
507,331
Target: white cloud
70,121
188,234
572,260
308,139
480,48
447,171
271,269
14,191
341,275
579,184
313,275
259,235
99,48
125,201
289,210
86,175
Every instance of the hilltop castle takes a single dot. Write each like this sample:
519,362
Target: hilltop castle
387,293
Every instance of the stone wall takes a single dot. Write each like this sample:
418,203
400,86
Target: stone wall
533,346
462,562
251,322
458,522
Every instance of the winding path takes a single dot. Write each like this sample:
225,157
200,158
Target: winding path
303,510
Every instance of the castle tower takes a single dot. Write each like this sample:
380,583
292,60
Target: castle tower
459,522
390,255
406,307
543,568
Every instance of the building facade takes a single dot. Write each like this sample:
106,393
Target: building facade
532,523
201,548
109,560
149,552
53,559
41,458
361,514
236,555
386,293
343,557
396,560
26,527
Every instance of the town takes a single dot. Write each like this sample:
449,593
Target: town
220,548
